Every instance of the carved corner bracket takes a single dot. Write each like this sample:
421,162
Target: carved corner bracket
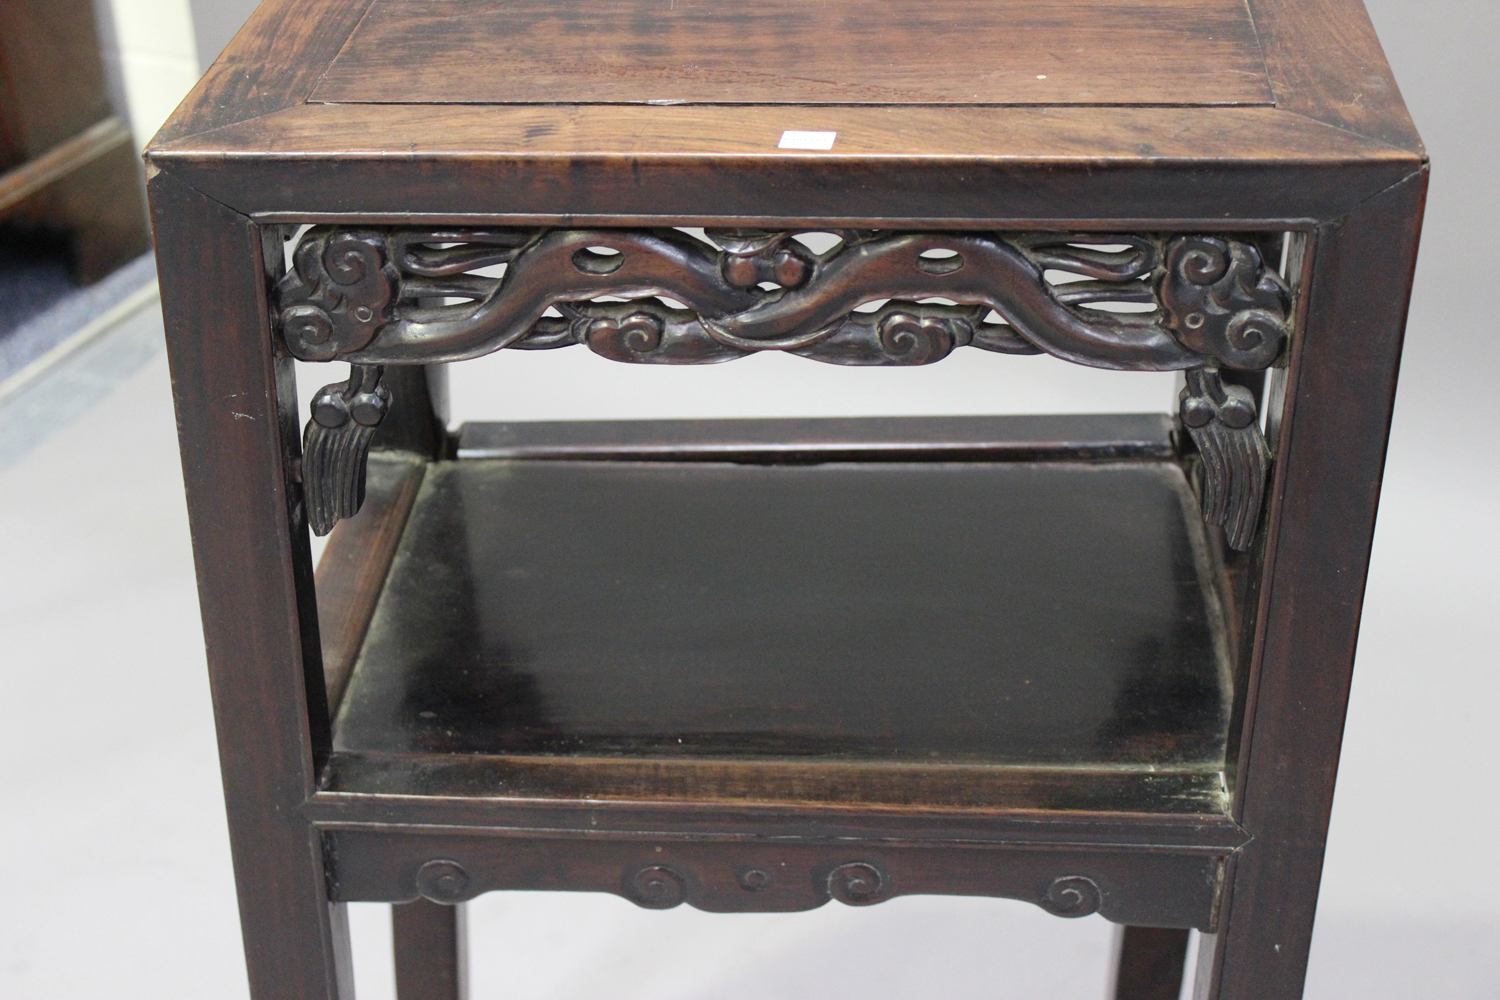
1194,303
1221,420
336,445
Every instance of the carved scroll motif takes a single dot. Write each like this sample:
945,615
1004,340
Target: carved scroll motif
658,886
1071,896
443,881
376,296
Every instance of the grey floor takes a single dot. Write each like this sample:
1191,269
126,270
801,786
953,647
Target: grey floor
114,869
43,309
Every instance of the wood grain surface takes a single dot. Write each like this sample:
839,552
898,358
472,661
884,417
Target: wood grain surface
1011,438
1325,62
1325,496
921,165
431,941
234,399
354,563
801,52
1167,792
1016,135
273,63
1148,963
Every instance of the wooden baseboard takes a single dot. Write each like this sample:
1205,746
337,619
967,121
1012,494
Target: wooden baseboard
61,160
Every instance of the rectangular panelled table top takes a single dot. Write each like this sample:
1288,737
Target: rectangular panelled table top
801,52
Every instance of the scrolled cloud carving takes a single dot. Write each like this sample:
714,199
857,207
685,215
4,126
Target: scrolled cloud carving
339,294
1222,302
858,883
1072,896
406,296
656,887
444,881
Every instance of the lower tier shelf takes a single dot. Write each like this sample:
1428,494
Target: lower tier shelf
933,634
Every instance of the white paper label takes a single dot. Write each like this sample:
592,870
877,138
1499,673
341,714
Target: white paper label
791,139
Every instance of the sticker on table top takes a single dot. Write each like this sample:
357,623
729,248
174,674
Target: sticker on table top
792,139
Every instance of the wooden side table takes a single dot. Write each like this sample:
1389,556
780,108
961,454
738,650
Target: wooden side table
1096,663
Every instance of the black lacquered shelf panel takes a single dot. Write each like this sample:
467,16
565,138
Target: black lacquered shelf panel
876,630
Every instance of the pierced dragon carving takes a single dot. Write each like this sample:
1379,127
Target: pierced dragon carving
392,296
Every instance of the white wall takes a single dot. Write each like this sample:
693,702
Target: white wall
150,50
1414,819
214,24
155,50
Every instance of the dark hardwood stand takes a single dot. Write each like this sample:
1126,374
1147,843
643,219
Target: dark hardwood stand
1097,663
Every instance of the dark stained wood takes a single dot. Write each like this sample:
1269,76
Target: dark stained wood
657,872
417,421
273,63
1148,963
1113,437
1223,423
1170,791
430,799
288,45
793,52
1221,168
1325,493
1117,134
353,566
431,941
399,816
901,613
371,409
235,428
1325,62
637,163
1244,577
704,301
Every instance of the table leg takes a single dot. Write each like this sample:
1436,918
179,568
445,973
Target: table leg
431,952
237,427
1340,389
1148,963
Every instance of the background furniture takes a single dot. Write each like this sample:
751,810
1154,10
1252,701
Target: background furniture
626,658
67,164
